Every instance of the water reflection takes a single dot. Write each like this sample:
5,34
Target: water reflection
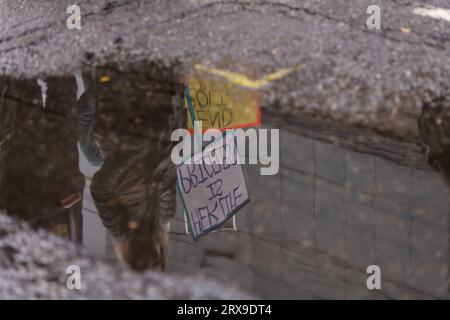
434,130
310,231
131,183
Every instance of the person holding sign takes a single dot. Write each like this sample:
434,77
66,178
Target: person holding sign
133,189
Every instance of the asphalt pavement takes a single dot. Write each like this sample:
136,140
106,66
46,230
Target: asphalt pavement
342,70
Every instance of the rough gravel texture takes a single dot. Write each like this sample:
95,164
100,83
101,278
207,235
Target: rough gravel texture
33,266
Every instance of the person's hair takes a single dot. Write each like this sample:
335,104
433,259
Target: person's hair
128,208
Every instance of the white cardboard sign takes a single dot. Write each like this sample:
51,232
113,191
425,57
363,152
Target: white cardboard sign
212,186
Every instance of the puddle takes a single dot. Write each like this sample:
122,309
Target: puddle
342,200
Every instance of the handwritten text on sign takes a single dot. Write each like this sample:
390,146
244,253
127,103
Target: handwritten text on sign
222,105
213,186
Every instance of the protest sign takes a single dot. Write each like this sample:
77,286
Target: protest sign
221,105
212,186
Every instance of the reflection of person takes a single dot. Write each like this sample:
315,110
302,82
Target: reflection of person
133,189
434,132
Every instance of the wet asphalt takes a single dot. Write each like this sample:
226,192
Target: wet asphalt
376,78
344,72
